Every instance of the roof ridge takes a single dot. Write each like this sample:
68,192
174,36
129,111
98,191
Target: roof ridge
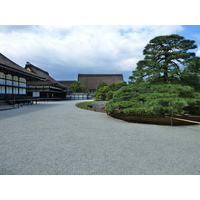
11,64
29,64
9,60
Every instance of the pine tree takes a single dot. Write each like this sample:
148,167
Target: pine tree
165,59
163,82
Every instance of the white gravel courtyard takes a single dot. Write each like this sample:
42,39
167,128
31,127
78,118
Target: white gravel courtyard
59,138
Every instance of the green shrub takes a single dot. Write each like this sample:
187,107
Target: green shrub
160,99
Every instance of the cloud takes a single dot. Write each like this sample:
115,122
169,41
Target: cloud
196,36
64,51
16,28
198,53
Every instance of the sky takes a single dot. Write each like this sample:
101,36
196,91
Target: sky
66,50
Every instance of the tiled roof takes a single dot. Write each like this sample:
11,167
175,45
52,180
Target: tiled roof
9,64
49,80
66,83
38,71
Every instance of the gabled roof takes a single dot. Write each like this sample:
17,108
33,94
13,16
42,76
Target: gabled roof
38,71
66,83
91,81
48,79
9,65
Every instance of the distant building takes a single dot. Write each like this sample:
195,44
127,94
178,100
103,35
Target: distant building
13,79
91,81
67,83
48,88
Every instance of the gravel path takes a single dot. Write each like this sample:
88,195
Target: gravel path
59,138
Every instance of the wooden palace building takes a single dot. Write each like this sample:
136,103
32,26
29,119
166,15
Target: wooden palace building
47,88
13,79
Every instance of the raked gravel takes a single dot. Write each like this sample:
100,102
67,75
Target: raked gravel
59,138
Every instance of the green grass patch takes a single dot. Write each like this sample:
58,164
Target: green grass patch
84,105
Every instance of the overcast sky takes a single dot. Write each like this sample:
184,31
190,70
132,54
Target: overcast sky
65,51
